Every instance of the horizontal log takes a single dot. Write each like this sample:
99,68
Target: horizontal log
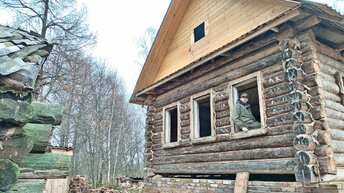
44,174
275,166
185,100
327,165
323,150
222,114
338,146
337,134
328,61
252,154
310,67
157,116
282,88
184,108
185,123
185,130
323,137
9,173
233,145
40,135
279,130
46,161
287,98
273,69
334,106
339,158
221,106
185,116
29,186
222,130
20,113
274,79
334,124
14,142
284,108
221,87
220,96
333,114
223,122
285,119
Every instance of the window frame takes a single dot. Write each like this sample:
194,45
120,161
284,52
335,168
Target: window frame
194,99
206,32
233,92
165,111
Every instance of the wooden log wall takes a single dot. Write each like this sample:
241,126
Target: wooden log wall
331,71
221,153
301,99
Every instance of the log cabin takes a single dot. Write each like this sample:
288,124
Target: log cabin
287,55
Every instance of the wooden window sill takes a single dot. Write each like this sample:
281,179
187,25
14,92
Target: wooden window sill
203,140
250,133
170,145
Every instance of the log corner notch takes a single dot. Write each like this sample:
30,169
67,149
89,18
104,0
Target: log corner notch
307,166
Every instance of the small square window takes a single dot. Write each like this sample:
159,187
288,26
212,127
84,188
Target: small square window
199,32
202,117
171,125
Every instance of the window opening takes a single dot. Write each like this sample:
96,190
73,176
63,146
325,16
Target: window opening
249,87
202,116
171,125
199,32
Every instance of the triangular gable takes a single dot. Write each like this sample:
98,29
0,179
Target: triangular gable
226,21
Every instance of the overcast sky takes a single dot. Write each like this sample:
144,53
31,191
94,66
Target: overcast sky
120,23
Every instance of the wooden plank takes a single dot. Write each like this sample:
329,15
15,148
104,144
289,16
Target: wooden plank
241,182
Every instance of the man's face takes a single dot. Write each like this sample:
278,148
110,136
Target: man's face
244,99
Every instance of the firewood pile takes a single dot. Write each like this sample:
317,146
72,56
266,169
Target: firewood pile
79,184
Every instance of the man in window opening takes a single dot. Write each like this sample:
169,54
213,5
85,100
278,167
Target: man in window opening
243,118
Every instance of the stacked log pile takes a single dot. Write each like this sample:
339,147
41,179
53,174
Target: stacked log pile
25,125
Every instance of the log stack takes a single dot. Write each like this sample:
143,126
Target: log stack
25,124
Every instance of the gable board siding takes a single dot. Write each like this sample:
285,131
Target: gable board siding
227,21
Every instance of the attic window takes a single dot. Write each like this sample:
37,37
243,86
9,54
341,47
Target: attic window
199,32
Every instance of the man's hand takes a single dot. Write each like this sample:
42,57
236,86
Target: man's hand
244,129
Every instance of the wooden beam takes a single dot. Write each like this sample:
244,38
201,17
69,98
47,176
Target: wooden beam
265,166
340,47
241,182
307,23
